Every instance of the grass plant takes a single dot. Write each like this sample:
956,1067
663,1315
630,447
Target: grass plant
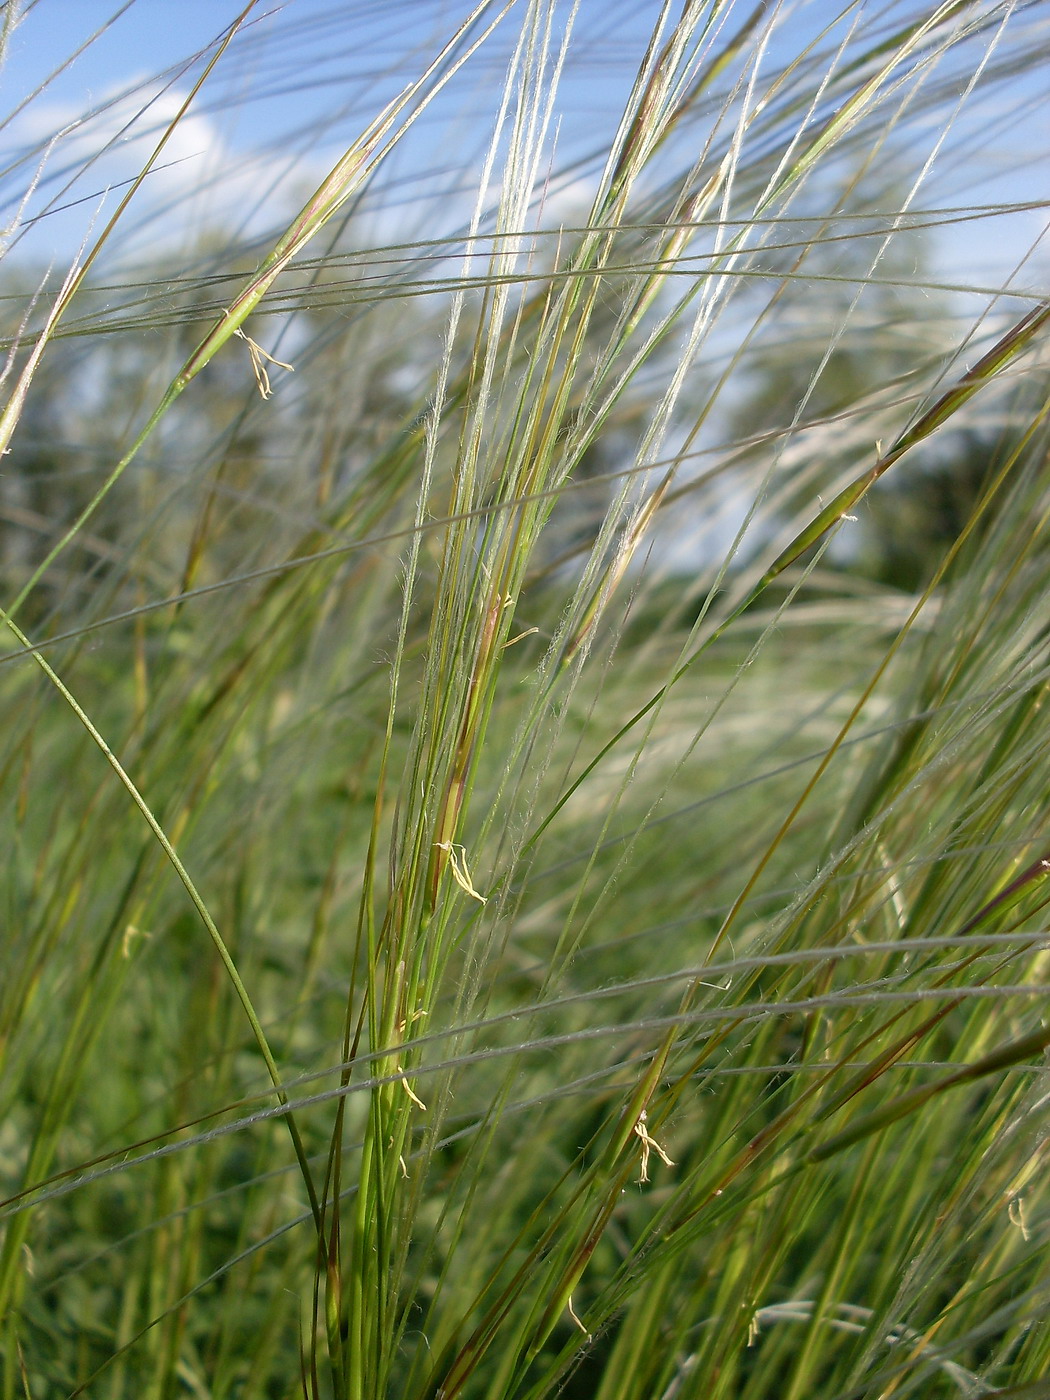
504,898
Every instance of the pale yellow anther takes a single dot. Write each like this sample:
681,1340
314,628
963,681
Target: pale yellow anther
260,358
575,1318
649,1144
1016,1214
457,860
409,1091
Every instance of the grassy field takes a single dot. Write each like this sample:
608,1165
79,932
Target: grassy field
524,766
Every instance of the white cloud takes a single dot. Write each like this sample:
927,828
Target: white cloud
200,182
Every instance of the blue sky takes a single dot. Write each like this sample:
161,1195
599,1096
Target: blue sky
296,87
304,77
301,82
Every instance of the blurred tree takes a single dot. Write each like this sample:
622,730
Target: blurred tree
853,337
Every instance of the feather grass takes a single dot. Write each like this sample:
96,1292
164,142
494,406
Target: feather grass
622,960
